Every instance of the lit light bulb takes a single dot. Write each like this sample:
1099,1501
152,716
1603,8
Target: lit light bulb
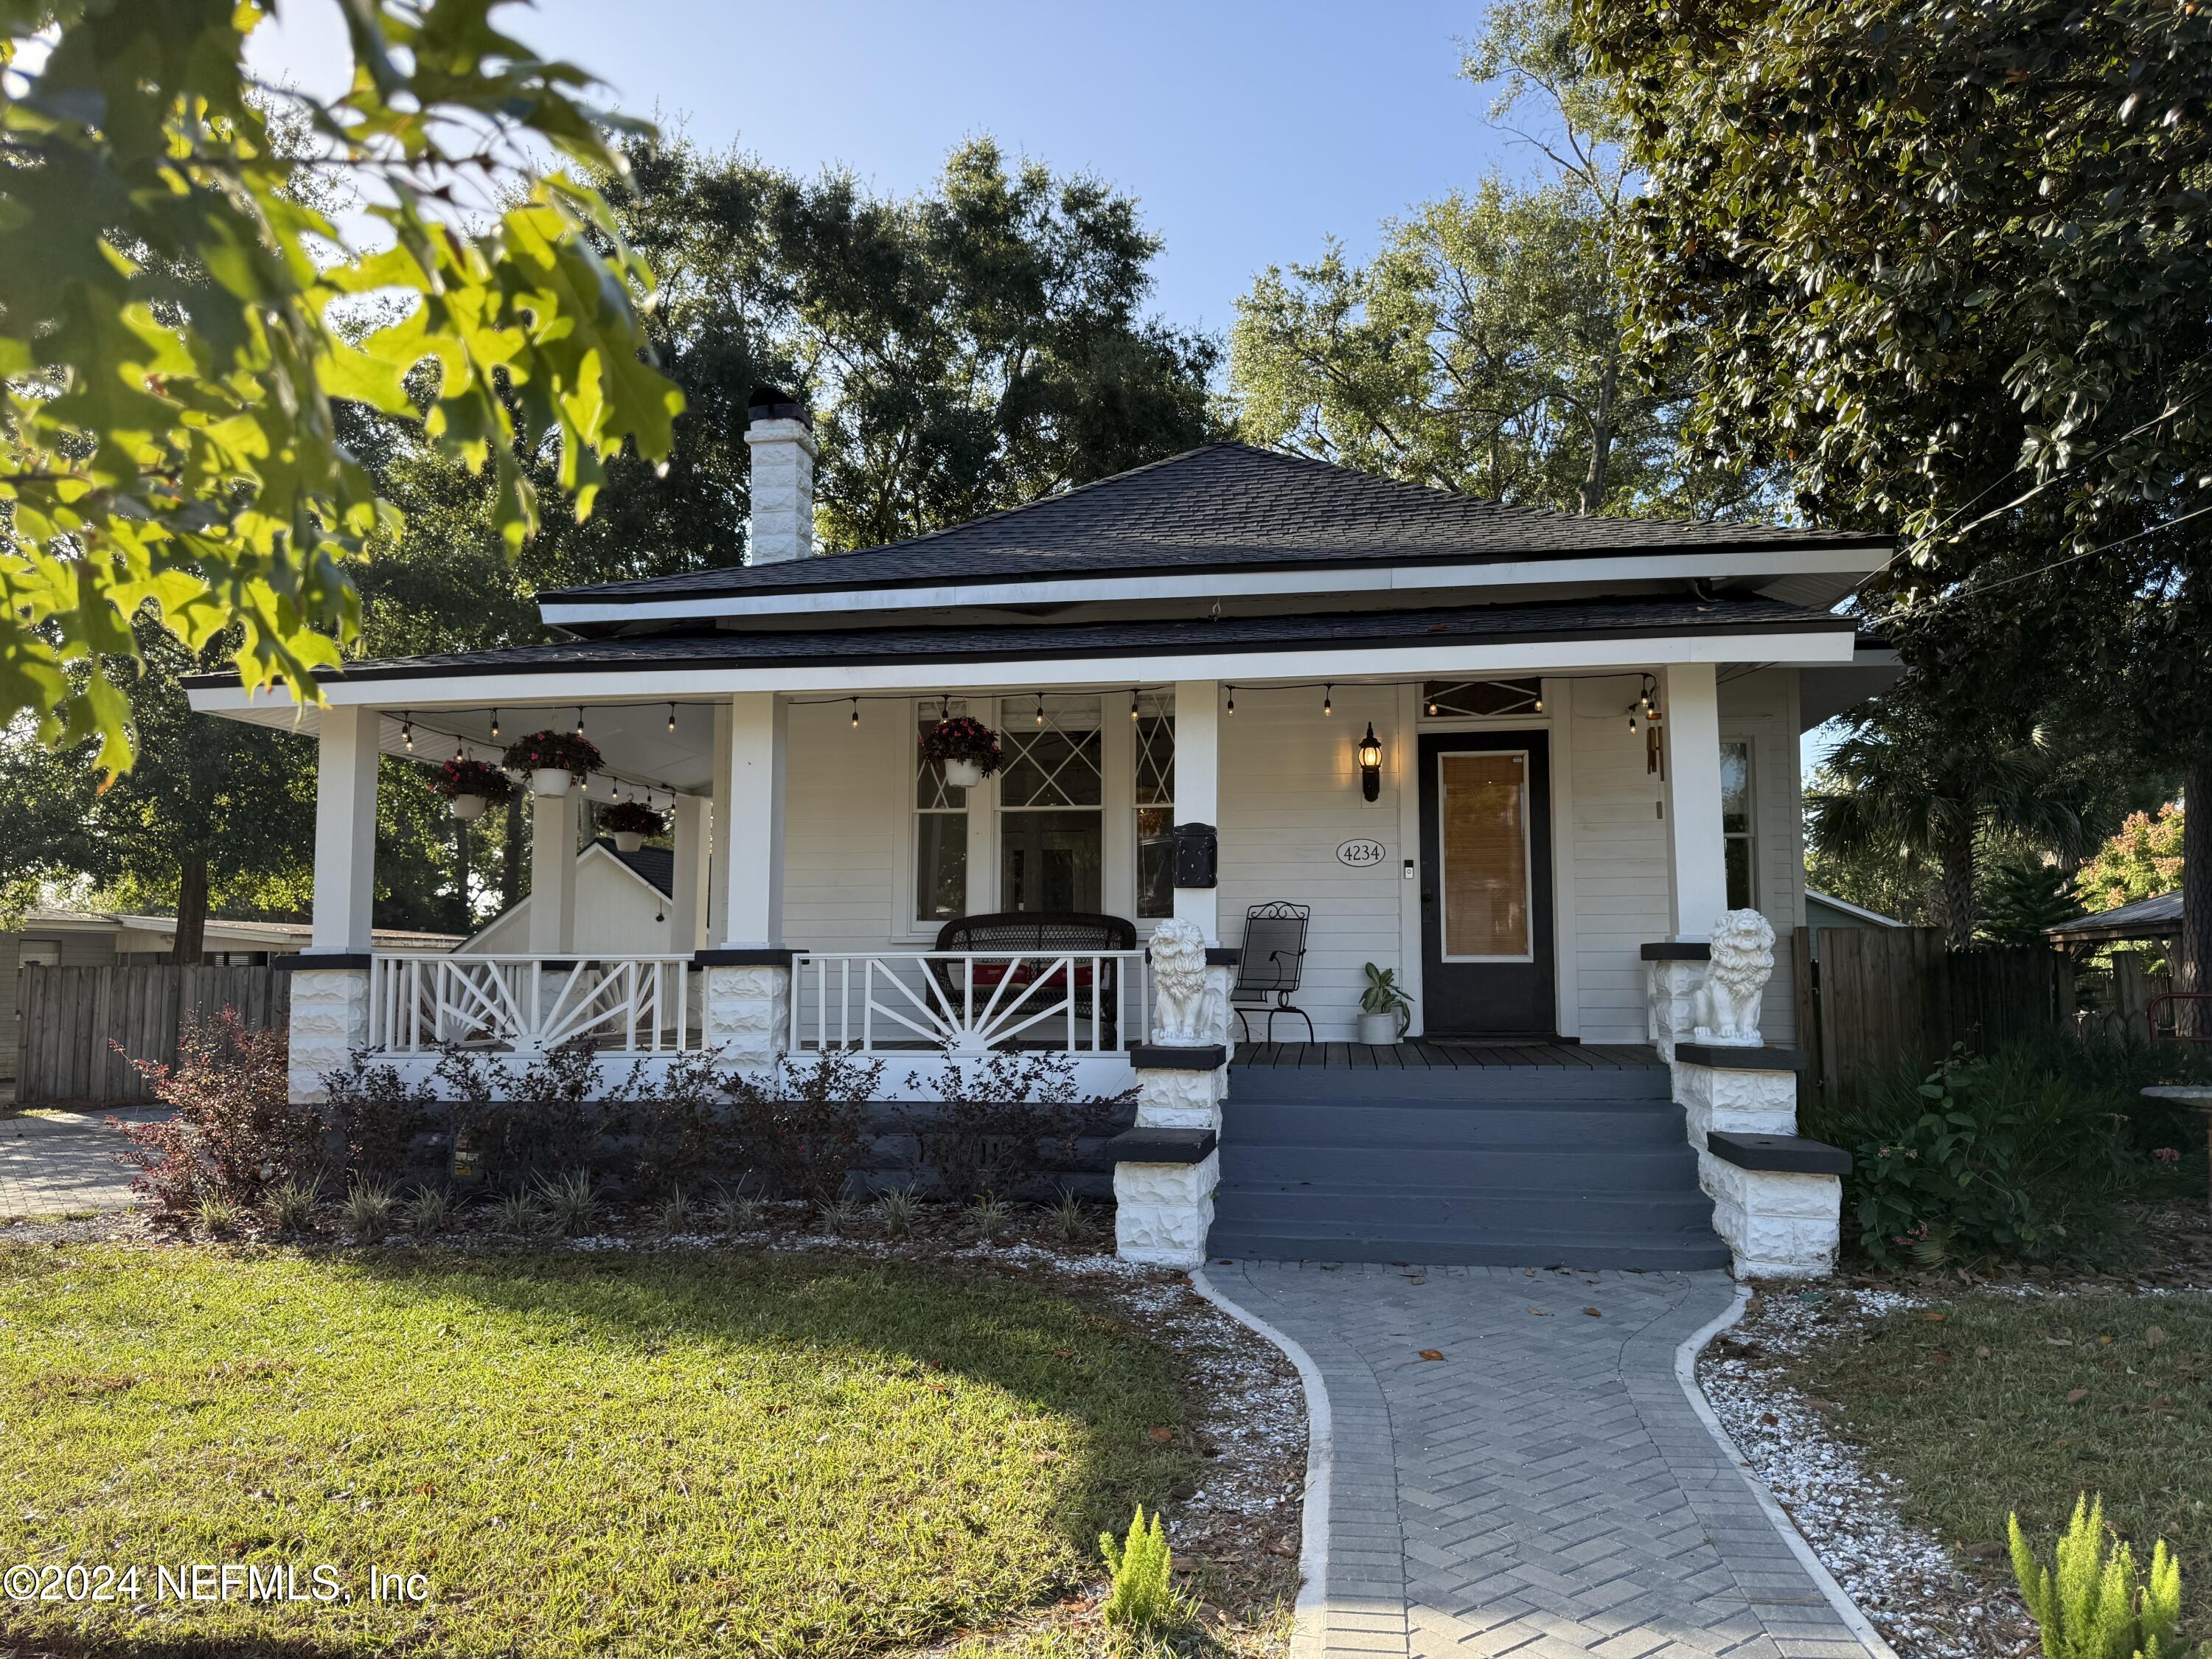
407,731
580,722
1540,705
1132,705
1040,714
856,714
1328,700
1232,700
495,723
671,717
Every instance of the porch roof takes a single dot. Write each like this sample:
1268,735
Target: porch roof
1224,507
1334,632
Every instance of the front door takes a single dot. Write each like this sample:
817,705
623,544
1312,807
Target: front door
1486,933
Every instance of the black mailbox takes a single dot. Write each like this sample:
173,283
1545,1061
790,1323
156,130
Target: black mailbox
1197,855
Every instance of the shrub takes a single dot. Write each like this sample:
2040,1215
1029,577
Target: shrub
429,1212
379,1114
896,1208
1071,1222
1003,1123
367,1209
571,1203
527,1124
292,1205
217,1216
673,1216
802,1127
2033,1152
1144,1596
737,1212
989,1216
236,1135
841,1216
553,751
2097,1605
516,1213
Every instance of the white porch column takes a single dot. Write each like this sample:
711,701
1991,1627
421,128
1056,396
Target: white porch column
345,832
687,910
553,874
749,859
746,995
1197,787
1690,729
330,978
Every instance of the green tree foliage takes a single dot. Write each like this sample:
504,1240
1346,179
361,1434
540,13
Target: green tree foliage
2142,859
1947,263
170,353
2022,895
1480,349
2097,1604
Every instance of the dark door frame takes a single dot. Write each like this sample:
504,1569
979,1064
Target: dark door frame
1489,999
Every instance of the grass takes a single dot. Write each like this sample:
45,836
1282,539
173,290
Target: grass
2009,1403
696,1453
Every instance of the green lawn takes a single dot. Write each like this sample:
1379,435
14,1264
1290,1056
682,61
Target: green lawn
2020,1403
684,1453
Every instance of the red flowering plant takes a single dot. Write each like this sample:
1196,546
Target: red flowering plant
962,740
235,1134
633,817
553,751
471,777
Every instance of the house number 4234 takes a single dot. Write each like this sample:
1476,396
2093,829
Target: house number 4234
1362,854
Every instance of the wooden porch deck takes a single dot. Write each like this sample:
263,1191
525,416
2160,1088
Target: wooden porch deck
1421,1055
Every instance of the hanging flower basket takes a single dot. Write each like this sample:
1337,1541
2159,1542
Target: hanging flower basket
632,822
967,751
553,759
470,786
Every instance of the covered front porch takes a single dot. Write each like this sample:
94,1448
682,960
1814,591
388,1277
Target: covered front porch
1503,836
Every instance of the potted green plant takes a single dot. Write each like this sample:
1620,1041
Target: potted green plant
469,786
554,760
631,822
1384,1013
967,751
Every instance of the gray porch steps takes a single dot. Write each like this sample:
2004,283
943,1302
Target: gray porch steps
1510,1167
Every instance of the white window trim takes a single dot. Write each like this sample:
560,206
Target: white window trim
1749,835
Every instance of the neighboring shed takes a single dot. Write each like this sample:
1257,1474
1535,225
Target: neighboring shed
1826,910
2158,917
621,897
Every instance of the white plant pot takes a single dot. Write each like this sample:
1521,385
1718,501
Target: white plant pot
629,840
962,773
467,808
1378,1030
551,782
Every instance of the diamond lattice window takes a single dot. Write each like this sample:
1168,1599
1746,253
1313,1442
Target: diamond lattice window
1470,699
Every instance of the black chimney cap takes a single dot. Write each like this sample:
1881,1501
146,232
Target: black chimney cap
770,403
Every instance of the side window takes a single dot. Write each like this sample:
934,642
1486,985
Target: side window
1155,805
940,832
1736,824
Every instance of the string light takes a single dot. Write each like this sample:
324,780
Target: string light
495,724
1329,699
407,731
580,720
1433,709
672,718
856,714
460,750
1540,705
1040,714
1132,702
1232,702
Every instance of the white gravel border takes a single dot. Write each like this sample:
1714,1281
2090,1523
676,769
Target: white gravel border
1685,1373
1308,1631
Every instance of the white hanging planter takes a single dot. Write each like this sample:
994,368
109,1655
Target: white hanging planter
550,781
962,773
629,840
466,808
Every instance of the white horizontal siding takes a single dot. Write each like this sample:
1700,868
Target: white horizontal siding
845,793
1762,708
1619,846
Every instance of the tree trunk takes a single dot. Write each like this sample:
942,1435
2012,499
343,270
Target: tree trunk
510,878
1955,852
2192,949
191,944
1601,456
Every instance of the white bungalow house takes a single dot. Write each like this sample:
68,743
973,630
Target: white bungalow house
1584,747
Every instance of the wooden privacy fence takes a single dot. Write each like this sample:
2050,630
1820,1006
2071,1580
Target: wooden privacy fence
1875,998
70,1015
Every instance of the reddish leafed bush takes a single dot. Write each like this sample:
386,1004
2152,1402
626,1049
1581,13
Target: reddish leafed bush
235,1134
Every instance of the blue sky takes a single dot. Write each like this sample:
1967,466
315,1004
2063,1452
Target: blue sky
1248,132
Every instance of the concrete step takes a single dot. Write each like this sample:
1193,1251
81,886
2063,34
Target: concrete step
1584,1213
1460,1248
1429,1125
1526,1086
1594,1167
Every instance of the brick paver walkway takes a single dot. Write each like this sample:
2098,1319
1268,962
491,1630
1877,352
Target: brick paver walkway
1544,1490
62,1164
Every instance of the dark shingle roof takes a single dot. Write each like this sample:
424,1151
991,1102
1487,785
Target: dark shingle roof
655,864
2155,917
1345,630
1225,505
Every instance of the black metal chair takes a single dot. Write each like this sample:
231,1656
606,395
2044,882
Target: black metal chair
1270,964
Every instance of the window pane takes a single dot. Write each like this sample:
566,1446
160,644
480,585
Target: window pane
929,788
1735,788
1050,861
1053,764
941,866
1155,861
1447,699
1486,856
1738,872
1156,760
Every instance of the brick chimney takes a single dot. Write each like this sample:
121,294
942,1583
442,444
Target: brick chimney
780,431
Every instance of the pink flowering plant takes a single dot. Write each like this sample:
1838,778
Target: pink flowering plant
472,777
633,817
961,739
553,751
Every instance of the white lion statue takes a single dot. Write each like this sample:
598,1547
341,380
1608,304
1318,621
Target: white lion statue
1726,1010
1180,1014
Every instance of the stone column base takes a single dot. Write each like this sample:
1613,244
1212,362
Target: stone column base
1777,1226
745,1009
1162,1211
329,1023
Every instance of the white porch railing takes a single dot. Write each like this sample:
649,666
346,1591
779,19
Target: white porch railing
619,1005
1095,1002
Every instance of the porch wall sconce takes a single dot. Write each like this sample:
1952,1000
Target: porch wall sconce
1370,765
